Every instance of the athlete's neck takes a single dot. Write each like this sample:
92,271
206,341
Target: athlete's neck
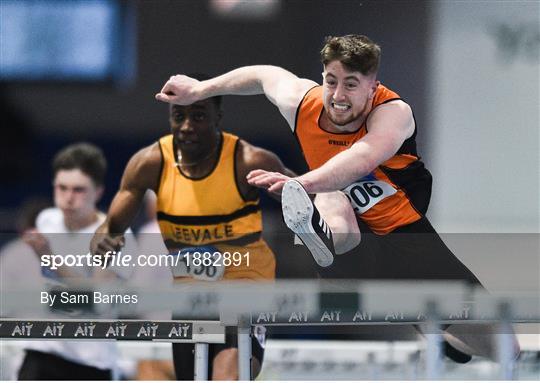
78,223
351,127
199,165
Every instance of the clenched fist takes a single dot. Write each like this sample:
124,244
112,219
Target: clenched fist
180,90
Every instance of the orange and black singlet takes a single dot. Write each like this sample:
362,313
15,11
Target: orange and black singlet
211,211
394,194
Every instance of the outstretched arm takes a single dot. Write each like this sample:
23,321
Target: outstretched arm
141,174
281,87
389,126
249,158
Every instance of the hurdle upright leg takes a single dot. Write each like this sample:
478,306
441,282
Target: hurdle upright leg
505,339
201,361
244,348
434,340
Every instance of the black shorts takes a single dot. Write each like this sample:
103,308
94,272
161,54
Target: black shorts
414,252
39,365
184,353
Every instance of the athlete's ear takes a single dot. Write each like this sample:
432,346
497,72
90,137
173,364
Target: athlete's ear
99,193
373,88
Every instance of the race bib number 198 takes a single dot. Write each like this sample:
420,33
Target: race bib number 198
366,194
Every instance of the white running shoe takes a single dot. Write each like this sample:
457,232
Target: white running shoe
303,218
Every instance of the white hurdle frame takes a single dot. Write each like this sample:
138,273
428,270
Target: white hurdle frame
237,304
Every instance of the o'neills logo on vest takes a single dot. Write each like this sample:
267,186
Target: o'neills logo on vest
338,142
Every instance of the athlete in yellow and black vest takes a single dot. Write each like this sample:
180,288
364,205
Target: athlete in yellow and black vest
210,215
206,209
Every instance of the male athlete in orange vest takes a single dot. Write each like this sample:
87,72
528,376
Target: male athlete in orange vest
204,204
358,138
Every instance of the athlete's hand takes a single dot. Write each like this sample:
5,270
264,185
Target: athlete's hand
272,182
180,90
102,243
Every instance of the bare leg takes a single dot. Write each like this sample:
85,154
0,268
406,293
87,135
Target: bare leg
337,211
225,365
326,229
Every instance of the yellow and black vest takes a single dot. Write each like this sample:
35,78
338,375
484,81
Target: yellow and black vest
211,211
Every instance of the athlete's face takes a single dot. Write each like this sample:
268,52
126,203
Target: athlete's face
347,95
195,127
75,194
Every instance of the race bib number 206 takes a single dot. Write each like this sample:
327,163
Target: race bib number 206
363,195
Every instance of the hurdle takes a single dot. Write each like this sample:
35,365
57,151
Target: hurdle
287,303
201,333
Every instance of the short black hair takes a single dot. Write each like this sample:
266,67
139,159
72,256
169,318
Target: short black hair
84,156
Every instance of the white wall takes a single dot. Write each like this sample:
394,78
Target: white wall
483,116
